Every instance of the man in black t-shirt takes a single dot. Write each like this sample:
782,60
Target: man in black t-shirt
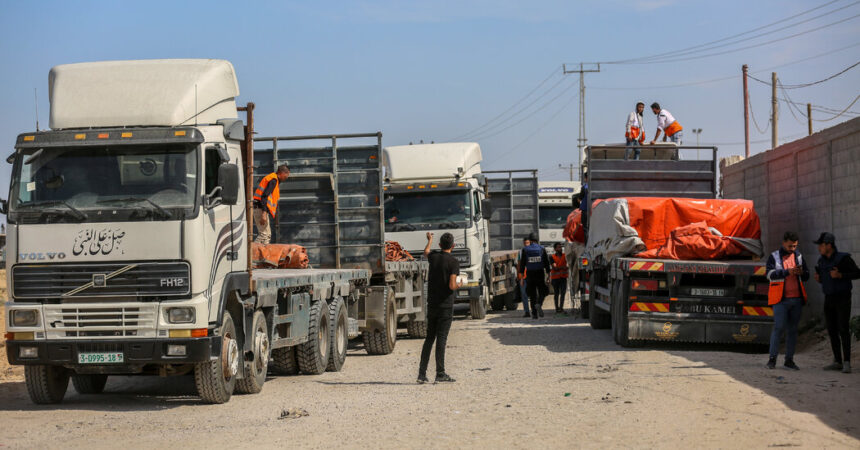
441,285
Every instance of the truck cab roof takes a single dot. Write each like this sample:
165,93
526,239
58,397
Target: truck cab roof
451,160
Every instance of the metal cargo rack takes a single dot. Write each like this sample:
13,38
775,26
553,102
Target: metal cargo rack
513,195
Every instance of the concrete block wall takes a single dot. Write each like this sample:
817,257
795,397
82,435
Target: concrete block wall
809,185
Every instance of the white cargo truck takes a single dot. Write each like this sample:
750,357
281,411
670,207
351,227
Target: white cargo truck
129,230
555,203
440,188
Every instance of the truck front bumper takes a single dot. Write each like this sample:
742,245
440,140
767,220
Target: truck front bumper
136,352
466,294
674,327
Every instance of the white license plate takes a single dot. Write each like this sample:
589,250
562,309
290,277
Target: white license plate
705,292
100,358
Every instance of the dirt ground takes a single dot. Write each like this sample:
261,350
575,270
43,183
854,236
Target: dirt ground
521,383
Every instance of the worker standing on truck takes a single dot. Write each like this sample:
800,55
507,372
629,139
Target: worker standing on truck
534,265
558,277
521,279
667,125
584,206
266,203
634,132
835,271
786,271
441,285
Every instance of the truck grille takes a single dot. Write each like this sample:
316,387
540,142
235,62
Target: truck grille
146,279
101,320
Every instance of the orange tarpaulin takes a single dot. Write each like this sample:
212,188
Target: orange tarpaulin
278,256
394,252
573,230
695,241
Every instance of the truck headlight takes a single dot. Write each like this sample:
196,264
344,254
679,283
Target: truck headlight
25,317
180,315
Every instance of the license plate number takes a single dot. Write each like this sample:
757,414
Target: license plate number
100,358
707,292
708,309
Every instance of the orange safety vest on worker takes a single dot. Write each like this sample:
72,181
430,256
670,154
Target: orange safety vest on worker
778,287
667,123
271,202
559,267
635,130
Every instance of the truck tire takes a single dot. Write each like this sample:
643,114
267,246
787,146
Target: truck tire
89,384
312,355
623,310
46,384
417,329
383,342
216,379
498,302
253,383
478,306
339,335
597,317
284,361
614,307
512,301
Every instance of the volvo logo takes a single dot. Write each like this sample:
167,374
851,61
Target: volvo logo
99,280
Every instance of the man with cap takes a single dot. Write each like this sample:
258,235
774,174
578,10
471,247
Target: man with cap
835,271
534,264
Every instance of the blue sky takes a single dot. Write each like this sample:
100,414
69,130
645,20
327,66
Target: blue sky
438,70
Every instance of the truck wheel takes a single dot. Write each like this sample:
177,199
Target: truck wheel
215,380
478,306
312,355
382,342
623,309
89,384
46,384
512,301
284,361
339,335
253,383
498,302
613,316
417,329
597,317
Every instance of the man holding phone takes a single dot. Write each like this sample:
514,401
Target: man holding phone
786,271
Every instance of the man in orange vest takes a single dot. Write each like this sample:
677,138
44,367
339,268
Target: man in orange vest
266,198
666,124
634,132
558,277
786,271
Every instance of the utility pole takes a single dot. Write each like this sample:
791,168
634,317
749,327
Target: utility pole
581,71
745,70
571,166
774,113
697,132
809,117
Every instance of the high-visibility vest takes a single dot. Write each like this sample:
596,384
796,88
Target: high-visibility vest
673,128
272,200
777,287
559,269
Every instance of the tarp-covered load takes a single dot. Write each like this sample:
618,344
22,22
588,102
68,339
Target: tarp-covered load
673,228
394,252
573,230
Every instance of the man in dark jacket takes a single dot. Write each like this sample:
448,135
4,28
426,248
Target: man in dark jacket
835,271
534,264
786,271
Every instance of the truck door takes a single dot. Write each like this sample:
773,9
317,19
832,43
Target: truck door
219,233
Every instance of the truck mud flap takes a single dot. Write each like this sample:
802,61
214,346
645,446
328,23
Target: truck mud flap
671,329
374,308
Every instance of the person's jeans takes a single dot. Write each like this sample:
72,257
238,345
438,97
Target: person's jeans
837,311
786,317
438,325
677,138
559,289
632,147
524,296
264,232
536,287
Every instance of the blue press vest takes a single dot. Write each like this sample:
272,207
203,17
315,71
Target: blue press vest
534,258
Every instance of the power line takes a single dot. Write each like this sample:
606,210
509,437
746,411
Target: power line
791,105
551,74
798,86
752,114
659,55
842,112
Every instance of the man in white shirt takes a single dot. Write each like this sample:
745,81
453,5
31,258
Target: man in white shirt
634,132
667,125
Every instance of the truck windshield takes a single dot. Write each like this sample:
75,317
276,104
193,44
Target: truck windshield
554,216
104,183
411,211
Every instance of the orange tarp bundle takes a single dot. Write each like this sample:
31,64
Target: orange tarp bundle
278,256
695,241
573,230
394,252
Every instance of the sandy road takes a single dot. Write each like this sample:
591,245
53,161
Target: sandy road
512,375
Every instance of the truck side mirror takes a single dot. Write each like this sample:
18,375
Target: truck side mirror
486,208
228,180
4,206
